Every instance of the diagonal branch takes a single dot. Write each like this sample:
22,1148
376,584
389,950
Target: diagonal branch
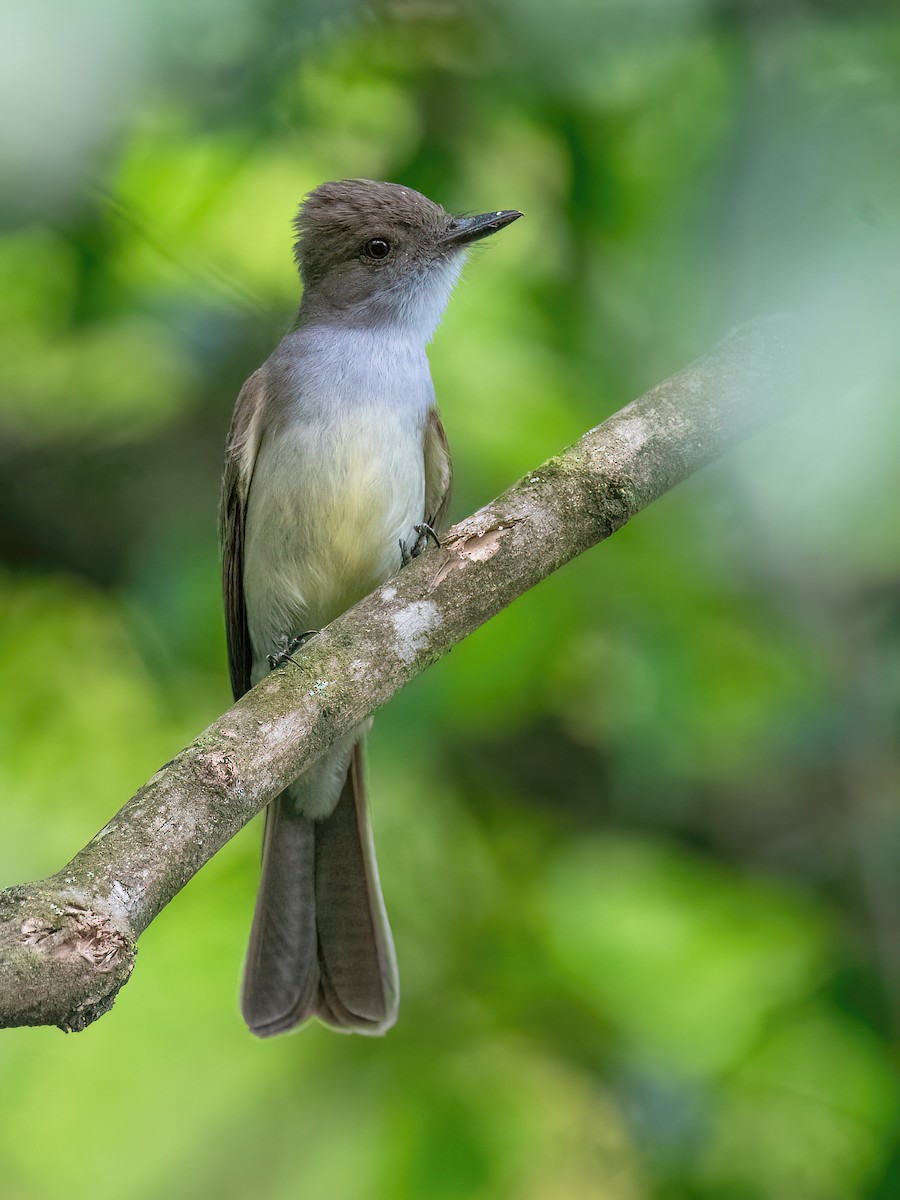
67,943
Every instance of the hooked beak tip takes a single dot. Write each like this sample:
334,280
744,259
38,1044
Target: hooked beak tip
463,230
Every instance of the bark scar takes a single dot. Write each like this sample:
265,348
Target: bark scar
83,934
470,543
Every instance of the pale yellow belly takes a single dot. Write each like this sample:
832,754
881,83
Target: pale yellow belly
326,513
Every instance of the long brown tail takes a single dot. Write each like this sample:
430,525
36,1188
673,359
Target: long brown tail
320,944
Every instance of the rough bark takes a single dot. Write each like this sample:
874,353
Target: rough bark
67,944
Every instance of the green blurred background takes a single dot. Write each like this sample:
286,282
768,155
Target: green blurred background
639,836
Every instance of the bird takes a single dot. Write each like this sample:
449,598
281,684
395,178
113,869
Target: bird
337,472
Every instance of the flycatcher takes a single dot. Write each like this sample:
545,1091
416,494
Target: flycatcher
336,471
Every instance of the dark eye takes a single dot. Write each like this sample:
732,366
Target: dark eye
378,248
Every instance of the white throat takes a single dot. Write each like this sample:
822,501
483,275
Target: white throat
422,301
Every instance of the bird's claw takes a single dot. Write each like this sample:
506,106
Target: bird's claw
408,553
425,533
285,647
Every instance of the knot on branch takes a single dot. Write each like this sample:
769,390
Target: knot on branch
217,769
61,962
85,934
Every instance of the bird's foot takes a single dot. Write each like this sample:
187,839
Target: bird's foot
285,647
408,553
425,533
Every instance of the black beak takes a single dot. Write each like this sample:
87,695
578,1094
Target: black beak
463,230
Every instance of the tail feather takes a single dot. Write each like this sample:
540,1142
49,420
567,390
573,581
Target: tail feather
356,952
320,944
281,975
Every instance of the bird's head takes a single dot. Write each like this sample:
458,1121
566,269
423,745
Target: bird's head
372,254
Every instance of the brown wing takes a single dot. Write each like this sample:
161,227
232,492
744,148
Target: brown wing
438,473
240,458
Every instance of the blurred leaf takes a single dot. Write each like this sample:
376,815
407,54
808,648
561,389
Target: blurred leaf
687,959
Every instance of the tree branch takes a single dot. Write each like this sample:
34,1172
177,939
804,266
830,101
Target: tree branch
67,943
